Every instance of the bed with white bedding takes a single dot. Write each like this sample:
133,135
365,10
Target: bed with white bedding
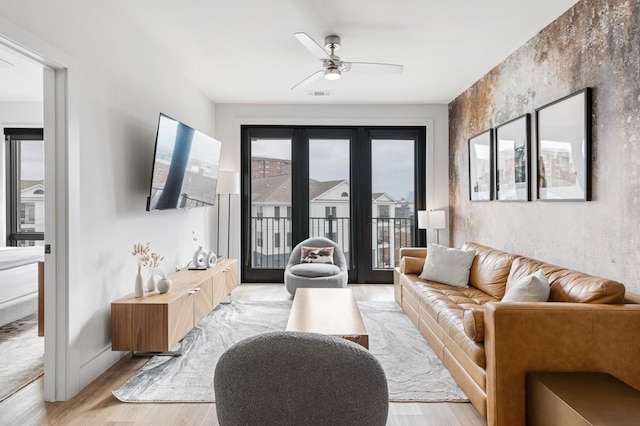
18,282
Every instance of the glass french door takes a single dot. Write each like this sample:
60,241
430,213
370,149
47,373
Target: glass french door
360,187
393,200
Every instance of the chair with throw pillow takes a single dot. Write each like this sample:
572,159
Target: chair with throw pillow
316,262
291,378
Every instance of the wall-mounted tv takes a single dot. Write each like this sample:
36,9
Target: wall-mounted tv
185,167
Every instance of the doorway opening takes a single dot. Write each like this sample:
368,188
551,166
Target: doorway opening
23,224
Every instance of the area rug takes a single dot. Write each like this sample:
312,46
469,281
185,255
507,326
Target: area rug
23,354
414,372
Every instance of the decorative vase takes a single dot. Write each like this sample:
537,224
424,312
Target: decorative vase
151,283
139,286
212,259
164,285
199,258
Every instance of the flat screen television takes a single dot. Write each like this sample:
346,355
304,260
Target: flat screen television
185,167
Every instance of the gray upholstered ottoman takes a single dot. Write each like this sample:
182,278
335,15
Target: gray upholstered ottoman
289,378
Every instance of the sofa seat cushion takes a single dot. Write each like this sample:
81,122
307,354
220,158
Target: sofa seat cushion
451,320
446,306
314,270
567,285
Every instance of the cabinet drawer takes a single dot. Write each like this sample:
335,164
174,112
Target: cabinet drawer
202,300
180,318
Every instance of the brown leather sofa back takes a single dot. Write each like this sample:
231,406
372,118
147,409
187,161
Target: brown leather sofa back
490,269
570,286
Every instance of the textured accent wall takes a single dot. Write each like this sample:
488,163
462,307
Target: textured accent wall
597,44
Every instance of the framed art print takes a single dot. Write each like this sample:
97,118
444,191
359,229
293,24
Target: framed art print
480,166
513,140
563,144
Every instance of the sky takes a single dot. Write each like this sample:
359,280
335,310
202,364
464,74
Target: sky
392,161
32,160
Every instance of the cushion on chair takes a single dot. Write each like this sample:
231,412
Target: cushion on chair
316,255
313,270
312,276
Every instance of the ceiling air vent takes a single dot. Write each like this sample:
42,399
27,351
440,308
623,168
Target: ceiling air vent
318,93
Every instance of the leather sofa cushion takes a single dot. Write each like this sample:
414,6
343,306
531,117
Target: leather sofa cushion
473,321
446,306
411,265
569,286
490,269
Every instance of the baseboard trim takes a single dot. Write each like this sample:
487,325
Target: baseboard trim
100,363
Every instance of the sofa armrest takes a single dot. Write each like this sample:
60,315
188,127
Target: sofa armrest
631,298
413,252
554,336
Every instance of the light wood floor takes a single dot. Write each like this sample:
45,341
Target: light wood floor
95,405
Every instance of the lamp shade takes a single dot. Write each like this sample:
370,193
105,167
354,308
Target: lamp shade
436,219
228,182
423,219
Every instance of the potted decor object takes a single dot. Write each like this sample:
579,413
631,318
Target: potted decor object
141,252
212,259
164,284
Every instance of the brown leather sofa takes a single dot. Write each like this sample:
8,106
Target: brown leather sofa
588,324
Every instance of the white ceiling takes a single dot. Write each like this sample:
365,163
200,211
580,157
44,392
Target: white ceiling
20,79
244,51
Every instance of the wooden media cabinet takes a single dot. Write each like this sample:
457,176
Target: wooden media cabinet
156,322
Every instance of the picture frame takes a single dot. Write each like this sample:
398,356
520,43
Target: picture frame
563,148
481,166
512,153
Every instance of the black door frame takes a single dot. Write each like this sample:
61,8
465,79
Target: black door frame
360,180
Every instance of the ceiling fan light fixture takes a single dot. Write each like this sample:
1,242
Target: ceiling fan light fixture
332,73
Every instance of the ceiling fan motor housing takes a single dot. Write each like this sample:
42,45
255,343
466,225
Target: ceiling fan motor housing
332,42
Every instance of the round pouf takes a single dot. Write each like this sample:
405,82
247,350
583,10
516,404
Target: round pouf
291,378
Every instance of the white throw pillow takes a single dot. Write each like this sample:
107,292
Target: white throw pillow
448,265
531,288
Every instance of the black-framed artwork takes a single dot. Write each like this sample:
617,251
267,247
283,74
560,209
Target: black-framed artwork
563,148
481,166
512,147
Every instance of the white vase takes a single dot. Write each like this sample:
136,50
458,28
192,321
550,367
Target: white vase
139,286
164,285
151,282
199,258
212,259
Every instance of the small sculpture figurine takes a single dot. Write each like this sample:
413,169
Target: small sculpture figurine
212,259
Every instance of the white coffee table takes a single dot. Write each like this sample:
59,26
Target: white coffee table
332,311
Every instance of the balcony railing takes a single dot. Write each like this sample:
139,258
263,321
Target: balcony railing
271,242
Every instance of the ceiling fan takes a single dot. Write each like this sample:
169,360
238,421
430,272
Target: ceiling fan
333,66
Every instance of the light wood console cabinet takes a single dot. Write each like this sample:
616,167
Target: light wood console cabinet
156,322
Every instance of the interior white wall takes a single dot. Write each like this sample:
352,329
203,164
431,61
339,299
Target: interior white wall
229,118
14,114
122,83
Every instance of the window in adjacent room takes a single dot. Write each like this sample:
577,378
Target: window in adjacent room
25,186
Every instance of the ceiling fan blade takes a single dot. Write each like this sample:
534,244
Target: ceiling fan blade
309,79
5,64
372,67
311,45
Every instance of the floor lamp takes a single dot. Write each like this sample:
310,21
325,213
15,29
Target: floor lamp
228,184
432,219
437,221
